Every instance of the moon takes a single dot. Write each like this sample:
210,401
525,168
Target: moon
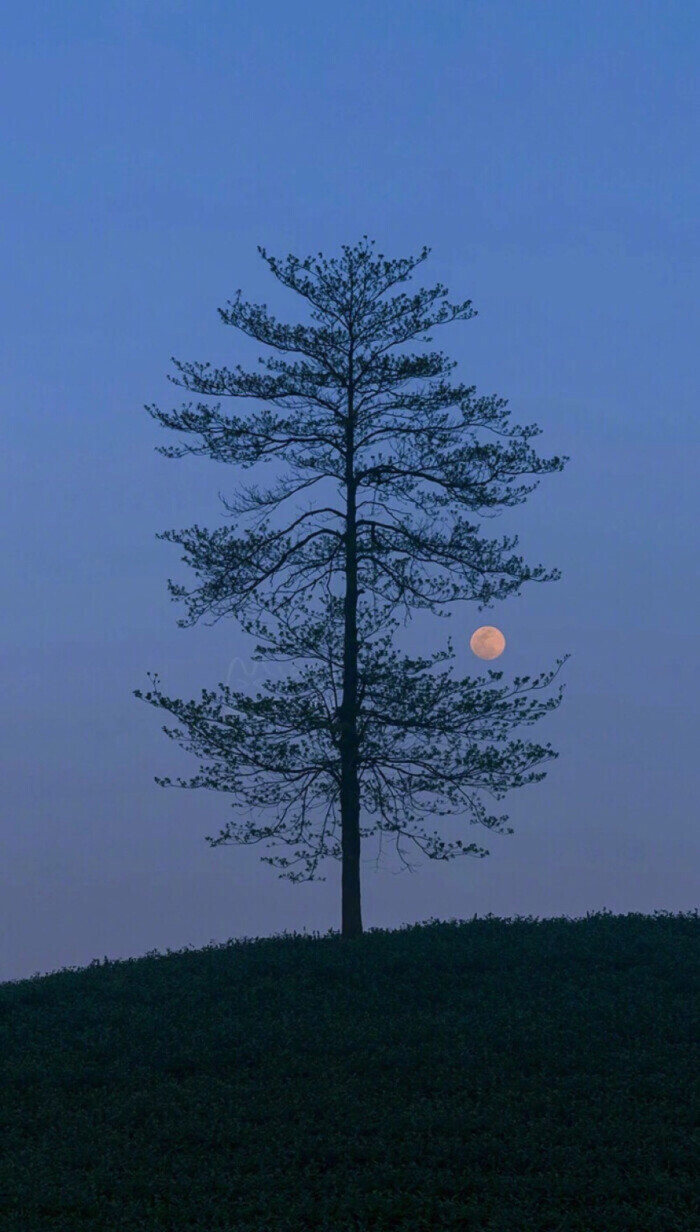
487,642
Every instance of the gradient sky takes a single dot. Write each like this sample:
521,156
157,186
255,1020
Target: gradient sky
548,155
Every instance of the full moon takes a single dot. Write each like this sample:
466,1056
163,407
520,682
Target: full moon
487,642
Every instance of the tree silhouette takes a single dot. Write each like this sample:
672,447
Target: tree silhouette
364,725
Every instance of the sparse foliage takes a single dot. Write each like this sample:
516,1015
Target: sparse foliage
361,725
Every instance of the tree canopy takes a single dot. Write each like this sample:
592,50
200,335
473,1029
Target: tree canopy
359,726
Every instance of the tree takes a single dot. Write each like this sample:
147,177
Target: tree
365,726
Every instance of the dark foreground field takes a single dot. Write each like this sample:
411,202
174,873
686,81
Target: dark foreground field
486,1076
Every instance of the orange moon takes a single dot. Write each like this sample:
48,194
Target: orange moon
487,642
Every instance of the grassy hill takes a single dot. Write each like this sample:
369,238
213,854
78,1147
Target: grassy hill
487,1075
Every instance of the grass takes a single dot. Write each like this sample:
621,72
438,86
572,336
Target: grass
487,1075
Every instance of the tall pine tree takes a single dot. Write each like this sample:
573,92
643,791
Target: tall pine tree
360,724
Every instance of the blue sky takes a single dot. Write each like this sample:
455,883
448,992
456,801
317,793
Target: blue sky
547,153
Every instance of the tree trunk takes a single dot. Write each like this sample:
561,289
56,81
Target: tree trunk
349,784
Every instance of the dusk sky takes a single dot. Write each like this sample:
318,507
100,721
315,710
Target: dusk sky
547,153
